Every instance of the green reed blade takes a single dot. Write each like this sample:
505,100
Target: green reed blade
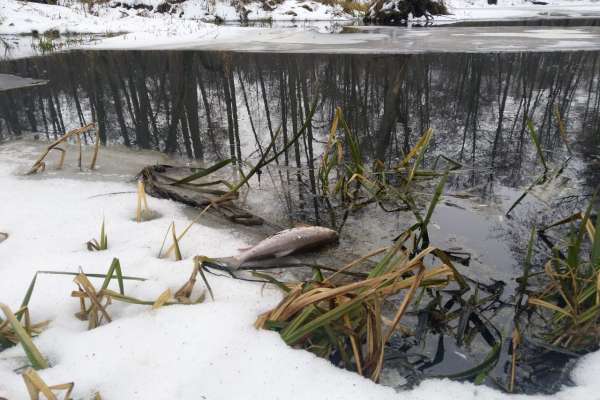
34,356
203,172
536,142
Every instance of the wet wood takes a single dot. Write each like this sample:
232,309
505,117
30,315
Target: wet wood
159,182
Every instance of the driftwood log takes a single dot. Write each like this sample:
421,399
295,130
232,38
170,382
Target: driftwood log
161,181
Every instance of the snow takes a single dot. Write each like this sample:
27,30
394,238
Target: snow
205,351
19,17
513,9
237,38
369,40
183,352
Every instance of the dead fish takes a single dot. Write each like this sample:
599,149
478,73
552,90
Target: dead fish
285,243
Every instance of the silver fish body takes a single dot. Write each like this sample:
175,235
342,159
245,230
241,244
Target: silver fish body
287,242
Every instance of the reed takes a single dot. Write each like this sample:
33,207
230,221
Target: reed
569,304
40,164
102,243
35,386
347,184
142,211
344,320
13,331
94,302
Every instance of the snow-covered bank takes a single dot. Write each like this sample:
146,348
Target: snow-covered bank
510,9
18,17
209,350
164,19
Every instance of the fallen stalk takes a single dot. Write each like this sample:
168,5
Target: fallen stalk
40,165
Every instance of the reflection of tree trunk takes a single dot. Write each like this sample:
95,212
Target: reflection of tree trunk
311,164
58,111
596,115
590,90
571,89
10,115
137,85
230,129
353,107
165,100
29,101
475,119
529,75
44,119
123,86
209,122
28,105
144,100
190,89
117,101
294,113
424,106
390,114
186,136
99,102
53,116
284,131
365,108
284,117
178,88
236,128
191,104
76,95
245,96
472,106
267,112
142,132
507,82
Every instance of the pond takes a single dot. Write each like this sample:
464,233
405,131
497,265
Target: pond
202,105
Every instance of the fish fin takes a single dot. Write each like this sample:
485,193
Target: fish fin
244,248
284,253
230,262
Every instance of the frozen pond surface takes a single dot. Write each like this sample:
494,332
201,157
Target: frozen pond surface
446,35
378,40
11,82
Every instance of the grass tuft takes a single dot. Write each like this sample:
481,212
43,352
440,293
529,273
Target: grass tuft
36,386
344,321
142,211
569,304
95,245
39,165
12,330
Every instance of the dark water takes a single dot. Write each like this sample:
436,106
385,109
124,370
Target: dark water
214,105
